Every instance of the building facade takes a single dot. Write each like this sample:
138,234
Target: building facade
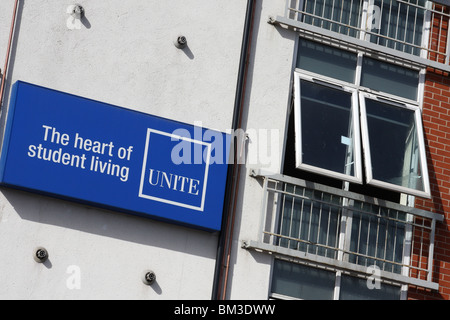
337,173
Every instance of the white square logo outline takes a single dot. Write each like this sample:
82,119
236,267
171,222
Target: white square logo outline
144,167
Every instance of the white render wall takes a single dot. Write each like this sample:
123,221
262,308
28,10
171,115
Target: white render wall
124,55
267,102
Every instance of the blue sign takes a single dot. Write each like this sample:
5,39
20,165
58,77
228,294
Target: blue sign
87,151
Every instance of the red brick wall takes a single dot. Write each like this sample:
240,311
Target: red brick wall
436,122
437,44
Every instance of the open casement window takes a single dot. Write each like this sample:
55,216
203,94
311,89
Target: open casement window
327,129
393,144
332,86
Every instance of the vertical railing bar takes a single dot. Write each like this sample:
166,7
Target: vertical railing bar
447,50
283,209
407,249
301,218
397,24
309,226
413,245
314,12
332,12
386,242
431,251
439,38
350,17
302,8
395,245
323,14
368,235
347,217
337,233
341,233
416,10
286,9
389,22
276,209
359,236
381,19
430,36
421,249
319,222
275,212
378,232
340,15
406,27
426,31
363,20
263,211
292,216
328,226
360,15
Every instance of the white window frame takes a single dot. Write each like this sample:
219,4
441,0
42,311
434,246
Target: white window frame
356,140
416,105
366,147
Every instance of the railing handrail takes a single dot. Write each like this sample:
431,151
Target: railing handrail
433,46
402,243
348,194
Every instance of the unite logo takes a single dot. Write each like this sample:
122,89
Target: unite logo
163,180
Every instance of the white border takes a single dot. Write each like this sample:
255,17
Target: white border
144,165
357,177
426,193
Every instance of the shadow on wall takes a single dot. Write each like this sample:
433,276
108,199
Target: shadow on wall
111,224
435,205
52,211
7,76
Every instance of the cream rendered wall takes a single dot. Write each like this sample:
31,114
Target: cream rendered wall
123,54
267,101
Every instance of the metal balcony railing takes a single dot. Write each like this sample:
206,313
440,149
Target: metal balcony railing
408,27
345,230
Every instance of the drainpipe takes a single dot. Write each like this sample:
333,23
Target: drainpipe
5,68
234,169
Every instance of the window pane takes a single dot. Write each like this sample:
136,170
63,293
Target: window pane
353,288
400,24
334,15
389,78
310,225
394,145
327,137
377,236
326,60
298,281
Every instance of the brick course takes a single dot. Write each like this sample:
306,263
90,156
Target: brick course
436,123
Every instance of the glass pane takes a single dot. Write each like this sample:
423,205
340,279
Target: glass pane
309,225
377,236
326,128
389,78
356,289
326,60
400,24
393,143
298,281
342,16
